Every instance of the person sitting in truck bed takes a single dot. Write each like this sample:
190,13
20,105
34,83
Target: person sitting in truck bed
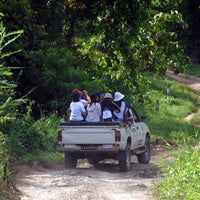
108,107
93,110
99,96
77,108
83,100
122,105
85,96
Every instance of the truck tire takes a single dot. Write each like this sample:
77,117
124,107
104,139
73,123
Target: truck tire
125,159
144,157
70,161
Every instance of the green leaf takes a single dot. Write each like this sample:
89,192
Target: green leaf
7,73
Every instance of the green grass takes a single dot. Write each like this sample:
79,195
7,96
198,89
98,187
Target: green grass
196,119
168,121
194,69
181,176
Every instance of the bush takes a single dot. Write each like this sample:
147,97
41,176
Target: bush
27,136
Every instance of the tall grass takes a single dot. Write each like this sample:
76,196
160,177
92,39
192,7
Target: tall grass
28,136
181,176
46,153
32,140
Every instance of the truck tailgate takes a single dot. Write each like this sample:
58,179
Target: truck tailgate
88,135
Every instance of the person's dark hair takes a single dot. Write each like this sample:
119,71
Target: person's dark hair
105,102
76,96
98,94
93,98
119,103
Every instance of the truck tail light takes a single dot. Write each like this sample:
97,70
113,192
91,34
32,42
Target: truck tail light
59,135
117,136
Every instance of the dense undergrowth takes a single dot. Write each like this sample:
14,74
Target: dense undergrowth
25,139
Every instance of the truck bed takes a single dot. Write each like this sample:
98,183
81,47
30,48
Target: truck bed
89,132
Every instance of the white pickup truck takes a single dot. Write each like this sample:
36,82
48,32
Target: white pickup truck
97,141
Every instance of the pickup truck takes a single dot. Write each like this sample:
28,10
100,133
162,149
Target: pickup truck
97,141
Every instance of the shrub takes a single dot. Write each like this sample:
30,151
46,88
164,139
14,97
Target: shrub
28,136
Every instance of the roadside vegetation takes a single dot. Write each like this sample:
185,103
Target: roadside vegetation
180,175
167,103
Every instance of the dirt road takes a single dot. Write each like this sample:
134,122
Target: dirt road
103,182
192,81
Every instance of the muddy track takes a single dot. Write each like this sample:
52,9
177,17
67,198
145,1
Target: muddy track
103,182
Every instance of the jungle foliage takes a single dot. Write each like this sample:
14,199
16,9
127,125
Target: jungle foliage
69,44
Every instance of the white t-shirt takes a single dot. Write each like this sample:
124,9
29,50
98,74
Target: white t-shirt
107,114
84,102
93,112
77,108
120,115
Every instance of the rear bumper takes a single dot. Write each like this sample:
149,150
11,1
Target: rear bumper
114,151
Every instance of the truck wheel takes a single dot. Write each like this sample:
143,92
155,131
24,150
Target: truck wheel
70,161
144,157
125,159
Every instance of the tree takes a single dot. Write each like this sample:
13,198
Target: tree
129,38
111,42
191,36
